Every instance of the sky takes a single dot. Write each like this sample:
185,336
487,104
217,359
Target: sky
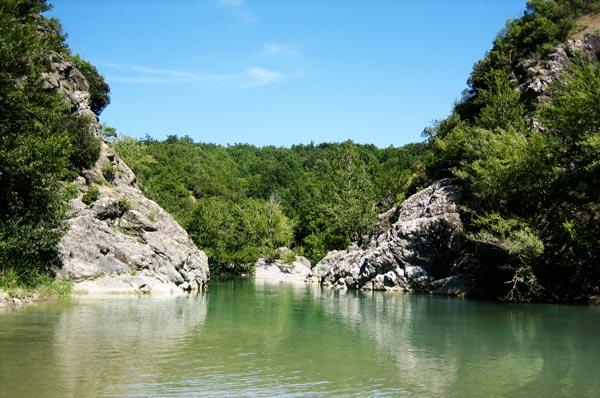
282,72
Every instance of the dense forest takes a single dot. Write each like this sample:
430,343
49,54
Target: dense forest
528,165
240,202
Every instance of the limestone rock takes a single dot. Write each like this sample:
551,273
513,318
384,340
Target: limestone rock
412,247
276,271
121,241
123,232
542,74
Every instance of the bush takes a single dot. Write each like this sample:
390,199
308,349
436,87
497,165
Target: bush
90,196
236,234
125,204
109,172
85,144
99,89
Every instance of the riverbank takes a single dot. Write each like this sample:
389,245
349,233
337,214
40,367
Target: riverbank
15,294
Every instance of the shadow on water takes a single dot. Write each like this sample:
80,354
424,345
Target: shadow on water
242,339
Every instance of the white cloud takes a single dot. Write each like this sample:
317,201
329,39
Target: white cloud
252,77
274,49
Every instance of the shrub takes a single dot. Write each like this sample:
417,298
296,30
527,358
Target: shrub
125,204
109,172
236,234
90,196
99,89
85,144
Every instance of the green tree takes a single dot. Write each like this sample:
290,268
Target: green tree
41,143
99,89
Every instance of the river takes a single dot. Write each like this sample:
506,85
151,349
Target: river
253,340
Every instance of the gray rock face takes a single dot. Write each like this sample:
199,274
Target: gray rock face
280,271
543,74
121,242
70,82
413,248
124,233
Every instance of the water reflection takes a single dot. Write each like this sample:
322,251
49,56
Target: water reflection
261,340
92,347
451,347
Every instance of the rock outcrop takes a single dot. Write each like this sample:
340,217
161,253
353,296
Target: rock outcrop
119,241
278,270
8,301
414,247
542,74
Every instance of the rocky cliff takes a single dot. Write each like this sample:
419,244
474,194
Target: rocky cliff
413,247
119,241
542,74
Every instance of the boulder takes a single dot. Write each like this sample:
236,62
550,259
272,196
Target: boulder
122,233
275,271
413,247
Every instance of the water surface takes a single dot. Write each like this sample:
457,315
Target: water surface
242,339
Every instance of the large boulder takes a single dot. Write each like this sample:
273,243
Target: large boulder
278,270
121,235
413,247
117,240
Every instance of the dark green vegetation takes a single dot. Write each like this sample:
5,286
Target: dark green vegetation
531,192
99,89
240,202
41,144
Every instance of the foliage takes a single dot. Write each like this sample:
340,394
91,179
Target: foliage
125,204
109,171
99,89
532,191
38,285
236,234
40,142
90,196
329,194
85,145
108,133
544,24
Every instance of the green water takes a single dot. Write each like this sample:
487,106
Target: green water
245,340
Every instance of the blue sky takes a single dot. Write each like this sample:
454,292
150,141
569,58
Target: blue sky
279,72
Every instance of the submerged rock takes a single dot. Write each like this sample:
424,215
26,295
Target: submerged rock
117,240
413,247
279,270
